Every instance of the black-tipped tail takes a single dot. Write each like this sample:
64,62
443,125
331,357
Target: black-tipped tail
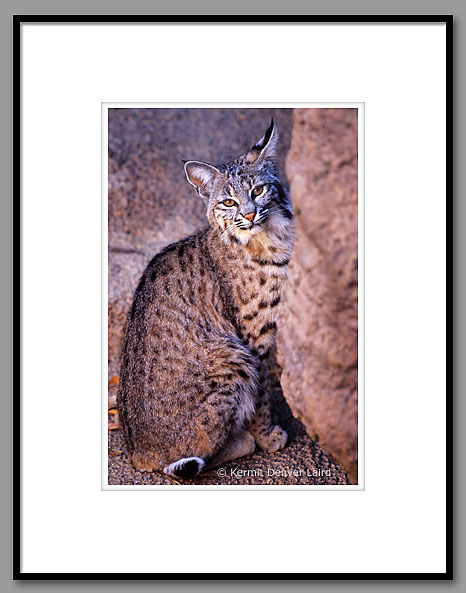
187,467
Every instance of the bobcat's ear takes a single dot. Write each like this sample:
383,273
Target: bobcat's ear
265,148
200,174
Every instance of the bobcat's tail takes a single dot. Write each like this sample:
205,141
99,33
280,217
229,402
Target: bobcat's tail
185,468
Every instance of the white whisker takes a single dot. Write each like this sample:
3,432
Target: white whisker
229,230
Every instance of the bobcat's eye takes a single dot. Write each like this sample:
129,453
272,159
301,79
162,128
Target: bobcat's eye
256,192
229,203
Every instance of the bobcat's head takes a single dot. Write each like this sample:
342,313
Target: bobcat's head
243,197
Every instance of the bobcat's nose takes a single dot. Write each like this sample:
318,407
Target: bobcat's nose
249,216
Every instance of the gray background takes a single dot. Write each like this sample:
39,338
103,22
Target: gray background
408,7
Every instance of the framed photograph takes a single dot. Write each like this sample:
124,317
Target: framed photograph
200,230
232,287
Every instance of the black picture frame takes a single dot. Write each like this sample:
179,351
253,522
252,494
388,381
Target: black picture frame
18,20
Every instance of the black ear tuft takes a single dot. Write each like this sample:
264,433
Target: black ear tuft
183,161
265,147
268,133
262,143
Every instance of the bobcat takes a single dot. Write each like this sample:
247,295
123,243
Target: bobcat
194,374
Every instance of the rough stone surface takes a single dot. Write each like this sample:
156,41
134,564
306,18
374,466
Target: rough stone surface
318,327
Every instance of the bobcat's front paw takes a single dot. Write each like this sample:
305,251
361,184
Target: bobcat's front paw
275,440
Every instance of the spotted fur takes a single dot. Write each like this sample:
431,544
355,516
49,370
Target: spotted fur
200,332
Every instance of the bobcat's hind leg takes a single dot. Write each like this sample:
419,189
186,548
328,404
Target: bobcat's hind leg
145,462
240,445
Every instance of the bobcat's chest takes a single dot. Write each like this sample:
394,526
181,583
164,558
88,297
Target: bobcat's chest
257,294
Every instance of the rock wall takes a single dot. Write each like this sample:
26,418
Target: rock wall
150,203
318,327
